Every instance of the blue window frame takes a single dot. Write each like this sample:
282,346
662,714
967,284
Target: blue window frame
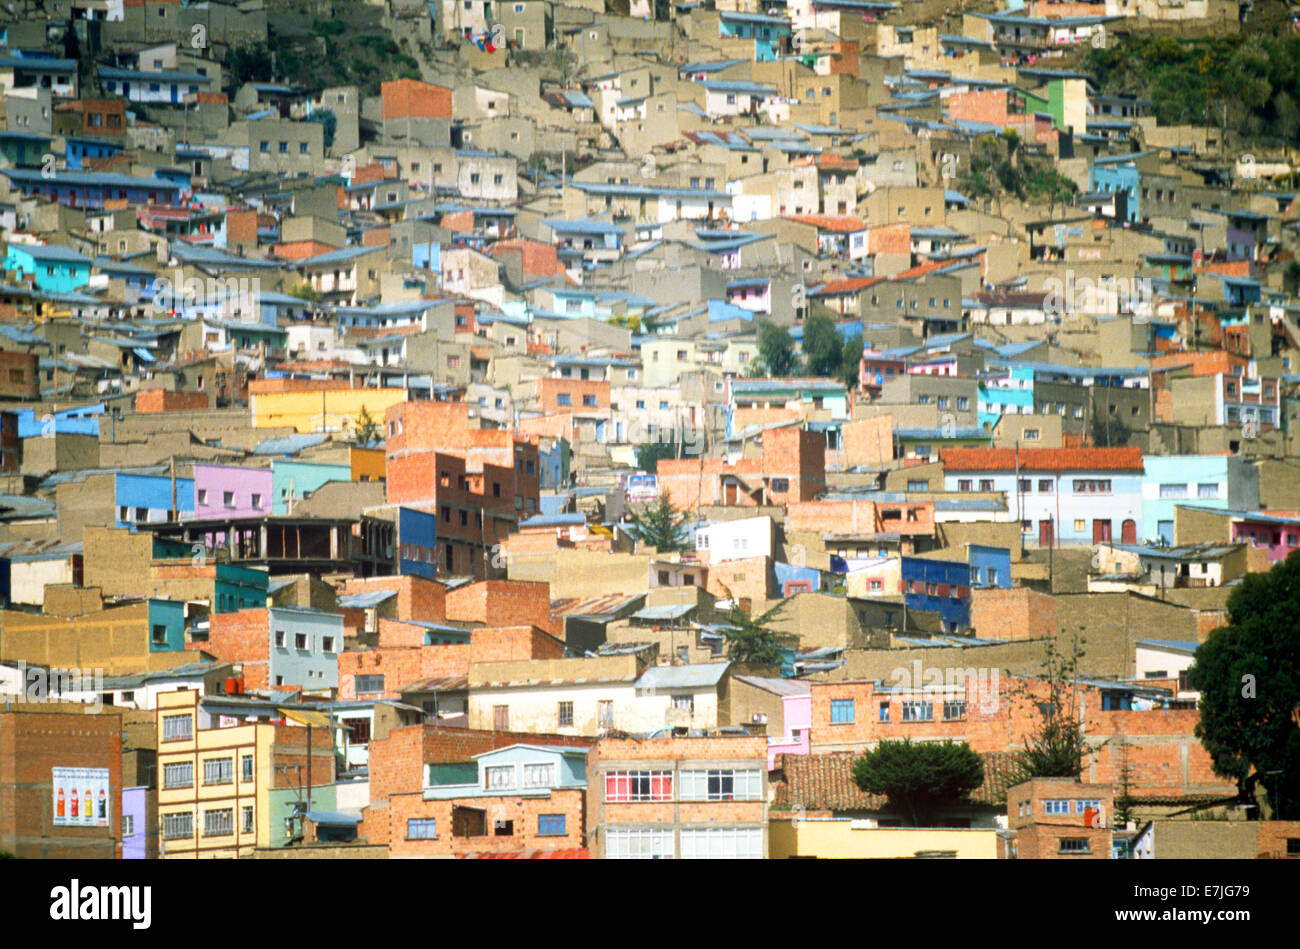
550,825
563,398
841,711
422,828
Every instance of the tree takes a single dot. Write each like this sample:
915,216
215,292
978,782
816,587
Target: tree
648,454
851,360
1291,278
1057,746
921,779
1051,186
305,291
249,64
776,350
821,346
1108,431
365,431
1124,800
329,120
661,526
751,639
1248,674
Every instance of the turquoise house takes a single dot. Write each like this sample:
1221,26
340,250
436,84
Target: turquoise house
166,625
291,481
1219,482
55,269
1011,394
518,769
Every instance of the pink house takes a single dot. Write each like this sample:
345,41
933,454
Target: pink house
1280,536
222,491
790,734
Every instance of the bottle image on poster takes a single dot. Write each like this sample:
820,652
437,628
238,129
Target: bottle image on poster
81,797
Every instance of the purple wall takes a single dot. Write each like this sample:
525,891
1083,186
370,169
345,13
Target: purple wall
135,806
216,480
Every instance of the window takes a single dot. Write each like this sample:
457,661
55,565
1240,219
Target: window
499,777
551,825
246,768
300,641
563,398
1025,485
178,826
626,786
219,822
1207,490
684,703
1075,845
1044,485
539,775
178,727
159,635
369,684
589,401
219,771
954,710
128,825
327,643
501,717
566,714
279,638
884,712
722,843
1056,807
421,828
841,711
916,711
1173,490
605,713
178,774
780,485
1093,486
986,484
725,784
248,820
638,843
257,501
964,484
1030,434
202,496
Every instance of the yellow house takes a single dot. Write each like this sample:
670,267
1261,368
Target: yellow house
320,409
215,783
791,835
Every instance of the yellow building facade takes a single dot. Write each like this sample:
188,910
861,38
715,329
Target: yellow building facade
845,837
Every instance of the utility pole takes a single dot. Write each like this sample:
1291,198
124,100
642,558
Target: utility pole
175,512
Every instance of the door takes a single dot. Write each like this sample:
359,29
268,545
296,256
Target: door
730,493
1100,531
1129,532
1045,533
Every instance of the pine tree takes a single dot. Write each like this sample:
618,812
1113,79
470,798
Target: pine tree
661,526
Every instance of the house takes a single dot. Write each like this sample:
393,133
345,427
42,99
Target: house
52,268
716,784
513,799
1072,495
1059,819
279,646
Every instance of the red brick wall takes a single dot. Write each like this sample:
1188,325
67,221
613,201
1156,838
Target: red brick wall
889,239
798,455
1017,613
502,603
243,637
748,579
867,441
507,644
983,106
523,811
27,383
32,744
417,598
161,400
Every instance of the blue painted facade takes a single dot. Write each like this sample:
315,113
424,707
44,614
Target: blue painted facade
78,150
83,420
417,536
938,586
54,269
135,813
990,567
791,578
1220,482
553,465
1118,176
148,498
304,647
295,480
238,588
166,625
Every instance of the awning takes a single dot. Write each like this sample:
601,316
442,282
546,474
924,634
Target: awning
144,354
305,717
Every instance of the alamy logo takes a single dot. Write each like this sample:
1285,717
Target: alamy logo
171,295
38,685
984,685
1106,296
77,902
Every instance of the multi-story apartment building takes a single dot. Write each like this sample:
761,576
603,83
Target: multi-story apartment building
677,797
1058,818
215,783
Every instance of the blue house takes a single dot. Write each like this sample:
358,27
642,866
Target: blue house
1118,173
77,150
516,769
943,585
55,269
1220,482
93,189
770,34
147,499
166,625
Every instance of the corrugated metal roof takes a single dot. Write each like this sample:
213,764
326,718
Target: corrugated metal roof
777,686
696,676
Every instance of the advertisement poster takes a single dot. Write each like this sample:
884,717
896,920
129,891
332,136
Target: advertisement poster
81,797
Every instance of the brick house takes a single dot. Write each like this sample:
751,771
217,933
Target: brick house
1059,818
661,798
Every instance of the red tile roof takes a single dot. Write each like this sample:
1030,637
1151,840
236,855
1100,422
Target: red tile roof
1042,459
826,222
852,285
